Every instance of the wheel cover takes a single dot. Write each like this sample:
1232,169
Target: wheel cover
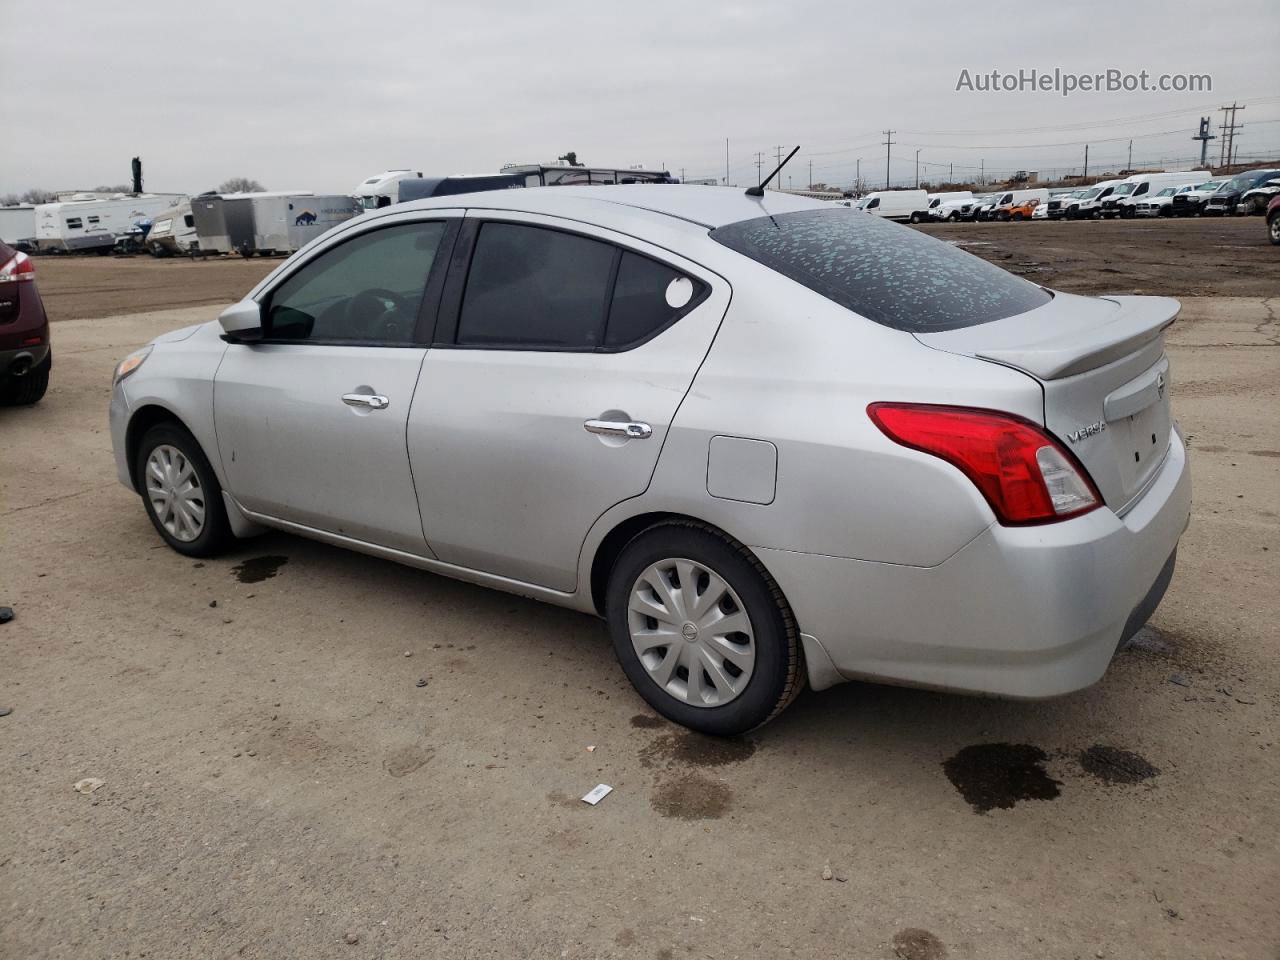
691,632
175,494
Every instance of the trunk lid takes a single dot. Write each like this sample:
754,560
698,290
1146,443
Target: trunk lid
1101,364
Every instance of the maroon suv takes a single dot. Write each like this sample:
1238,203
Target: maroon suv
25,355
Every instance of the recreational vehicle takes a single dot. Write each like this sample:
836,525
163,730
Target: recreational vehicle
399,186
96,224
173,231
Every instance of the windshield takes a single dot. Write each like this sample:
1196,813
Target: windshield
1166,192
893,275
1211,185
1090,194
1124,189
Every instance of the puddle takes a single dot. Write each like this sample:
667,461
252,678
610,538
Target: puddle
1113,765
691,796
646,722
257,569
991,775
914,944
693,749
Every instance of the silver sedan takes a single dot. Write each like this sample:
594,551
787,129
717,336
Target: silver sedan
770,441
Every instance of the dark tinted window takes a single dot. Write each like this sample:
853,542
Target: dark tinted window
648,296
891,274
534,287
369,288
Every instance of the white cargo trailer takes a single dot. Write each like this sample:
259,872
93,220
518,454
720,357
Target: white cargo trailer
18,226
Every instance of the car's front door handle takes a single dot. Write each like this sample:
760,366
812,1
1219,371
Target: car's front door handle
371,400
620,428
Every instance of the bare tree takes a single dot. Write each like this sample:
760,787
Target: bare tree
39,196
240,185
9,200
118,188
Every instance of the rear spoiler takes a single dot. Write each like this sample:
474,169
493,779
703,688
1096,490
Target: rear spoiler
1138,321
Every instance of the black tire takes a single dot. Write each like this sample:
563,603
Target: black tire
778,672
1273,228
216,536
915,218
29,388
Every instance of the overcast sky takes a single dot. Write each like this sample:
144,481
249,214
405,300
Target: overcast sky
317,95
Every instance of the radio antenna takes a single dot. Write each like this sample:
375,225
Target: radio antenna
758,191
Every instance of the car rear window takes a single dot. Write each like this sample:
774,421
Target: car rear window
894,275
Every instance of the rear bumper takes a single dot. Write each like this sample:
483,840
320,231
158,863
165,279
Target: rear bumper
1019,611
20,362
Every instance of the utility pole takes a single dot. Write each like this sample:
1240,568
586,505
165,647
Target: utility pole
778,162
726,161
682,174
810,174
917,169
951,172
982,172
759,161
1086,162
1229,128
1129,164
857,177
888,148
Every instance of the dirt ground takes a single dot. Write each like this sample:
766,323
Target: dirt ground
276,783
1192,257
76,287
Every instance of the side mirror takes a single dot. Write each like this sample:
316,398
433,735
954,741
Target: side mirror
241,322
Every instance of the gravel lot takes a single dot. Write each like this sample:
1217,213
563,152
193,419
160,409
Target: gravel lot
276,784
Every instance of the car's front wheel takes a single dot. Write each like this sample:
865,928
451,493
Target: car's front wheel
1273,228
181,492
702,631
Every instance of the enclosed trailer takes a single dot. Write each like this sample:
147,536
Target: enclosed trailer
18,227
289,223
96,224
225,221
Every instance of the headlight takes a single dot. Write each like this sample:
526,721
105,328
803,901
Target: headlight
129,364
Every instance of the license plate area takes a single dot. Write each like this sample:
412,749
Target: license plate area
1140,439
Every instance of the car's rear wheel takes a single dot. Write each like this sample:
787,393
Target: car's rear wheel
701,629
181,493
29,388
1273,228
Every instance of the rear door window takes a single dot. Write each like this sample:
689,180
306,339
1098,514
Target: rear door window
893,275
536,288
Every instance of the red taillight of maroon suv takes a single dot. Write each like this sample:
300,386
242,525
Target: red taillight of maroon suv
19,267
1026,475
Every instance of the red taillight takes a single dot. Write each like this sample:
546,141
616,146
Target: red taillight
19,267
1026,475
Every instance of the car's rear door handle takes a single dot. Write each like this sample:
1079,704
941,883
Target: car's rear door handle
632,430
371,400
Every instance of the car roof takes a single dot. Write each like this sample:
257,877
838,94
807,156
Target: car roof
708,207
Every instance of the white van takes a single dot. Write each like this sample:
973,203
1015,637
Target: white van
895,204
942,205
1135,189
1089,204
